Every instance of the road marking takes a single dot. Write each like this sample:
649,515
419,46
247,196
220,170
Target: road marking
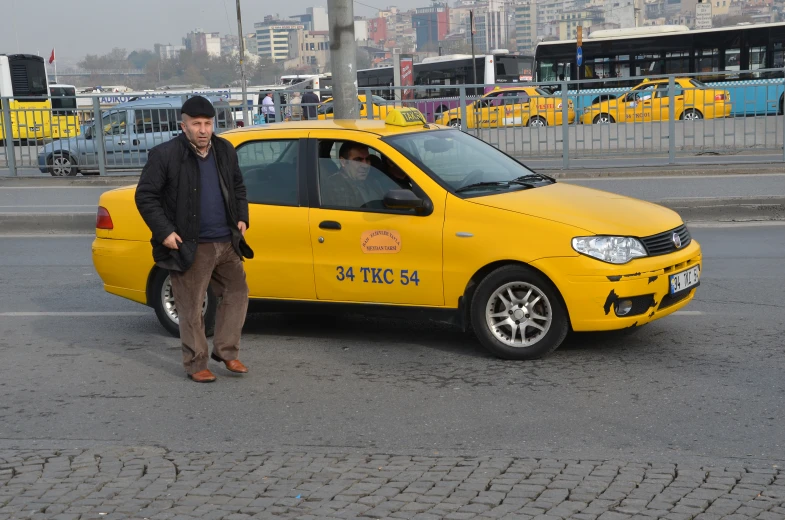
86,234
671,177
747,223
51,206
111,187
68,314
689,313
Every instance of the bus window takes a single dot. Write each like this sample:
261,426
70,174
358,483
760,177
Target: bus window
707,60
550,71
757,58
513,68
677,63
648,65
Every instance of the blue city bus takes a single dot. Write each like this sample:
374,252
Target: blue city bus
746,60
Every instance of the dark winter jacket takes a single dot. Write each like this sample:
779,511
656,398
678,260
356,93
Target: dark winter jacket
168,198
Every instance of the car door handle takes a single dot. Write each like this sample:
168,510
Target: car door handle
135,142
329,224
122,142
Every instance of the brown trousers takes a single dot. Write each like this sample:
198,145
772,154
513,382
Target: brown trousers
216,265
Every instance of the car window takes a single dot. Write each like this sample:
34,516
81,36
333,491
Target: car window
517,96
153,120
114,123
269,171
354,176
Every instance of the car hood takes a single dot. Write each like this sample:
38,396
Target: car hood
595,211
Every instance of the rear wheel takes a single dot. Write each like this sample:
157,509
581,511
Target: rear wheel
517,313
604,119
537,122
455,123
166,310
61,165
691,115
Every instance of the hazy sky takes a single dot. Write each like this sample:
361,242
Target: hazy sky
79,27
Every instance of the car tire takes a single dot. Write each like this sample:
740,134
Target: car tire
455,123
166,310
61,165
513,295
537,122
603,118
691,115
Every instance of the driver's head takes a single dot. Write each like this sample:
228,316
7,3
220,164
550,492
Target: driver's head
355,160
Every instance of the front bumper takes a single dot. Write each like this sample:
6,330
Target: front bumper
591,288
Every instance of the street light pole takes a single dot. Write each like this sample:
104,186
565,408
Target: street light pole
343,54
242,64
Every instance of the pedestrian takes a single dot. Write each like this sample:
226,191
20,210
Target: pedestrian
268,108
309,103
295,107
192,197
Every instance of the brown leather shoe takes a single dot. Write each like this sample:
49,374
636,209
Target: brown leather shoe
233,365
203,376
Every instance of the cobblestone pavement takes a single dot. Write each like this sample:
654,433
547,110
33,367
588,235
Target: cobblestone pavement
145,482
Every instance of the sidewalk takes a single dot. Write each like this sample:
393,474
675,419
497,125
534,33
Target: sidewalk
148,482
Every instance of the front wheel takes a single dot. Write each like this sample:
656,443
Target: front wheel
537,122
166,310
517,313
61,165
455,123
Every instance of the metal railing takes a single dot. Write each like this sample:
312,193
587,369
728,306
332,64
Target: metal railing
670,118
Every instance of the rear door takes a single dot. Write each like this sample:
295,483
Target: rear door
152,126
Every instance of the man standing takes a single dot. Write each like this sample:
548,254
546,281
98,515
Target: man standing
295,109
268,108
192,197
309,102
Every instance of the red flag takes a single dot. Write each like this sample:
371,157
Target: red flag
52,57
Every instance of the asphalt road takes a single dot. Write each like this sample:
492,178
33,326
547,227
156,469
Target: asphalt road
56,198
85,367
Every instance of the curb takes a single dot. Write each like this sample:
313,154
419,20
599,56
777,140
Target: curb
735,209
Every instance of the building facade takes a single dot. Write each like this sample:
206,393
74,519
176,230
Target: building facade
273,39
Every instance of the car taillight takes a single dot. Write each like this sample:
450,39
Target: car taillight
103,220
719,97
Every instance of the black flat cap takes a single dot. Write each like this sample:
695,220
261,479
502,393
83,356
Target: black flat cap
198,106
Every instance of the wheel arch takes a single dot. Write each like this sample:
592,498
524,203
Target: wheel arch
465,301
149,286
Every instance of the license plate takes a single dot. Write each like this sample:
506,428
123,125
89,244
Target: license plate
685,279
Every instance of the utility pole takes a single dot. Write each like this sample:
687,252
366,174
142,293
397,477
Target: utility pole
474,59
343,54
241,39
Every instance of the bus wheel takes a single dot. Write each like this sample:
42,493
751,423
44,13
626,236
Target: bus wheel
455,123
604,119
691,115
61,165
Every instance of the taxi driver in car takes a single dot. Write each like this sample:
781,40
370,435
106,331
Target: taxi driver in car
354,185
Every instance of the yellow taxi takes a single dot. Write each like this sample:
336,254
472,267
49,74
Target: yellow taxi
650,101
379,105
518,106
412,219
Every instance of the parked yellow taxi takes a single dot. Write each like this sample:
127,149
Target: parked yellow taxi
650,101
412,219
517,106
380,107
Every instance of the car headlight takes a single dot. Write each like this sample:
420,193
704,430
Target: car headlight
614,250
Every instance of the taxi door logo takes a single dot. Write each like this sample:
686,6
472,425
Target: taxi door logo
381,242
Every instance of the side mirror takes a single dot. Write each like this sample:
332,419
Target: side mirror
402,199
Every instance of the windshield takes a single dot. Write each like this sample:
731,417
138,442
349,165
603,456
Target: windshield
459,160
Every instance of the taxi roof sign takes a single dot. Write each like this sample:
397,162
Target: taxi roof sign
405,116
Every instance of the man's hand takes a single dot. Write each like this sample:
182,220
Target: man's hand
242,227
171,241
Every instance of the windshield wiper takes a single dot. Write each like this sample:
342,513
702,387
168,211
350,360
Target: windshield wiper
505,184
534,176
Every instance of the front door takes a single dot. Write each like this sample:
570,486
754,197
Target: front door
364,252
115,138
